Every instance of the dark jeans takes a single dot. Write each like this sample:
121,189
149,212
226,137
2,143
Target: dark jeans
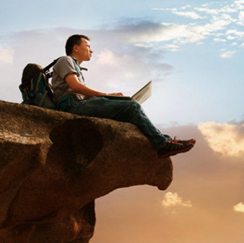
121,110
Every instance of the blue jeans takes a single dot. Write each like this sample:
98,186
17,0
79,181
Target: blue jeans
121,110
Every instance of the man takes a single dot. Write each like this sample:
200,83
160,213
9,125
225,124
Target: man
72,95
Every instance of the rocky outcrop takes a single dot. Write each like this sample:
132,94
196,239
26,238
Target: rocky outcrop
53,165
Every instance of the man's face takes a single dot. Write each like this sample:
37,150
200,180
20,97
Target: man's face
84,50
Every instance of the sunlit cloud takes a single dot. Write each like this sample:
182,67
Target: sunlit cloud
239,208
6,55
227,139
173,200
108,58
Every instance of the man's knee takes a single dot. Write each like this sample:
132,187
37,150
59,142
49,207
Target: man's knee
135,108
135,105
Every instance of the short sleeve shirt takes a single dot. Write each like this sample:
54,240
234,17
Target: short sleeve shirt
66,65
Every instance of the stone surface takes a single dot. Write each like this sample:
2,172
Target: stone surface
53,165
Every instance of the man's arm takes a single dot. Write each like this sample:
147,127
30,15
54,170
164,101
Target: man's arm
79,88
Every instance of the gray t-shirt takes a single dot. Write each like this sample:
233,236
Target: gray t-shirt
65,65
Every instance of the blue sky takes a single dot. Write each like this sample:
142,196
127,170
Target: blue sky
193,53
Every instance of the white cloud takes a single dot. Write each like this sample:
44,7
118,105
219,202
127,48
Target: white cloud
192,15
239,4
179,33
146,46
171,32
239,34
214,22
228,54
107,57
170,47
227,139
172,200
185,7
241,18
228,17
208,11
226,9
6,55
231,37
221,21
239,208
219,40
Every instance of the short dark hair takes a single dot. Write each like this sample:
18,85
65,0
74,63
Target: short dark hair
74,40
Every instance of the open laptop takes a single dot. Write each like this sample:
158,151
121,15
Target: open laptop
140,96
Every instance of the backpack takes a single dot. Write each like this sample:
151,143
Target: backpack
35,87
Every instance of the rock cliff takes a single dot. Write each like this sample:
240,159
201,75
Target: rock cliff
53,165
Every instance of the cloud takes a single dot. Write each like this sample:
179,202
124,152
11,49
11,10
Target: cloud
172,200
107,57
208,11
192,15
241,18
170,47
239,208
185,7
6,55
233,34
167,32
239,4
225,9
228,54
177,33
238,34
214,20
220,22
227,139
219,40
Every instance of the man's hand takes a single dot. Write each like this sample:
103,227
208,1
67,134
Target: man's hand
117,94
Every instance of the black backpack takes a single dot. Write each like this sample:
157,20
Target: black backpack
35,87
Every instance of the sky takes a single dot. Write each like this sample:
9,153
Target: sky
193,52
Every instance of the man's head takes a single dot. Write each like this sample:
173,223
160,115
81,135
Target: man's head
78,46
74,40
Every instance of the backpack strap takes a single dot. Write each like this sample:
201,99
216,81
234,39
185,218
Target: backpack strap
38,82
43,98
50,65
32,84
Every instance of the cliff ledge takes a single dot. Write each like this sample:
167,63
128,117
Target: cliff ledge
53,165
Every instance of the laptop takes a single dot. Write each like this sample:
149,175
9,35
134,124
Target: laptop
140,96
